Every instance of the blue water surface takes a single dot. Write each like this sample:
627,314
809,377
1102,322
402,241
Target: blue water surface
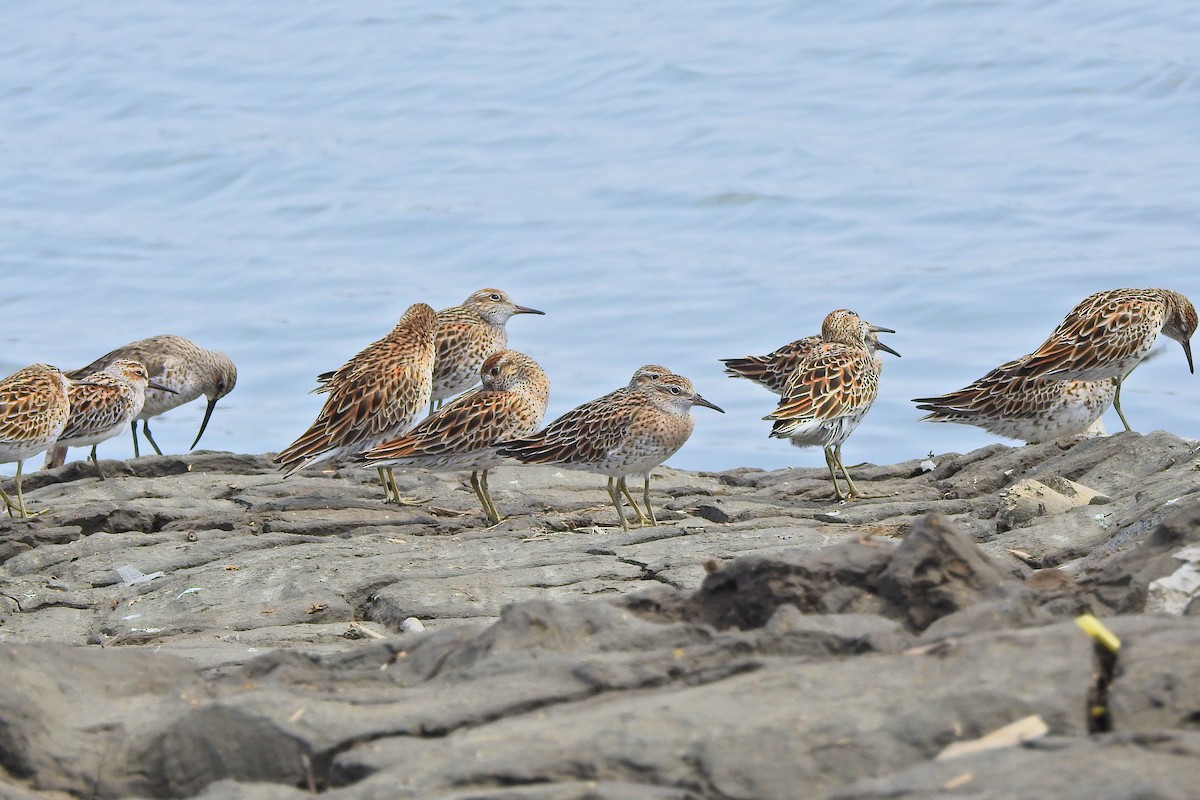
671,181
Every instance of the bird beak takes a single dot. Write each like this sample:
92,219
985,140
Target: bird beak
1187,351
212,403
700,401
879,329
881,346
527,310
160,387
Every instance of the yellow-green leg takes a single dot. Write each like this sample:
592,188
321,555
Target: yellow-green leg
92,458
614,495
391,490
1117,403
642,520
19,506
480,485
852,489
831,463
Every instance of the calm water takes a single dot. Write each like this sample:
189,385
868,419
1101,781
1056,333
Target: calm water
671,182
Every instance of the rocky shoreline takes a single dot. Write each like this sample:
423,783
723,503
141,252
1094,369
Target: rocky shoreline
195,626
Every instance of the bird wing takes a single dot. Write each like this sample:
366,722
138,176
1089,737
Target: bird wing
1100,330
835,380
584,435
473,422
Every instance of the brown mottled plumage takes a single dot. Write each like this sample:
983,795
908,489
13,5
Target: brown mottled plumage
467,335
829,393
101,408
34,409
1109,333
462,435
774,369
178,364
1034,410
375,396
628,431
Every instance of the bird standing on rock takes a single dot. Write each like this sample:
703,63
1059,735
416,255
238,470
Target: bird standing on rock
101,407
1108,334
830,392
182,367
463,434
34,409
629,431
1006,403
375,396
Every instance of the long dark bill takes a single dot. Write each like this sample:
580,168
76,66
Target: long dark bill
212,403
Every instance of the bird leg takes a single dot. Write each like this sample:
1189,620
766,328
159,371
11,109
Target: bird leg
642,520
19,506
1117,402
830,462
133,427
391,490
614,494
850,487
92,458
646,497
480,485
149,438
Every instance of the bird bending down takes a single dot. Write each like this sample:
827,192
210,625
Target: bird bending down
1108,334
829,392
462,435
375,396
628,431
34,408
101,407
179,365
1034,410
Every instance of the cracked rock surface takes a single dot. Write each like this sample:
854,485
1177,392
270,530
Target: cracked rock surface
199,627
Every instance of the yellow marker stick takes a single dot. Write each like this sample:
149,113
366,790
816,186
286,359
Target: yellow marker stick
1095,629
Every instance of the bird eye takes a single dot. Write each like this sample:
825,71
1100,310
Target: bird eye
675,390
494,371
495,298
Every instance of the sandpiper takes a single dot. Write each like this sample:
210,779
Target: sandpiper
102,406
1034,410
178,364
467,335
773,369
626,432
34,408
463,434
829,392
1109,333
375,396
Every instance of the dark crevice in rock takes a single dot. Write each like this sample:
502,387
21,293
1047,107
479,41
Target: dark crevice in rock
648,574
1099,716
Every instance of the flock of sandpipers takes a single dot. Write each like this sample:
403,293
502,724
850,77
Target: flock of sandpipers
386,406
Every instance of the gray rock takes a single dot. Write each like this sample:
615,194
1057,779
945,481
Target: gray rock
765,638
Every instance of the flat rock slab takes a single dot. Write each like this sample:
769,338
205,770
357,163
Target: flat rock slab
200,627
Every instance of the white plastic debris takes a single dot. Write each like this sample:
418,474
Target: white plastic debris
411,625
133,576
928,465
192,590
